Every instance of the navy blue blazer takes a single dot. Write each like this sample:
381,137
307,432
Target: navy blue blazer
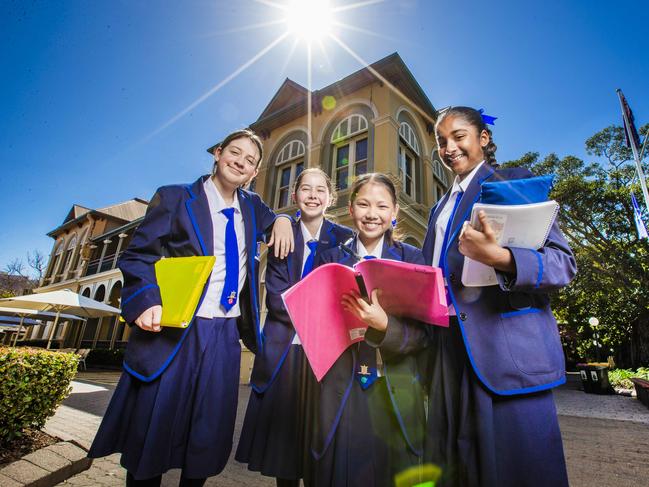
278,332
399,346
509,331
178,224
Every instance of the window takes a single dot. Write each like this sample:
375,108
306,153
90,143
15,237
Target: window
68,253
349,141
406,171
289,164
408,159
55,260
439,170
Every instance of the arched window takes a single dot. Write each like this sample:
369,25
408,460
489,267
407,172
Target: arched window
409,157
288,166
56,258
438,169
349,140
72,243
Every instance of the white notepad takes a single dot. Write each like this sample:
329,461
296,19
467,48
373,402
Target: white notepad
523,226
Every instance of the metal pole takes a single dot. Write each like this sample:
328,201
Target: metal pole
627,126
20,327
56,321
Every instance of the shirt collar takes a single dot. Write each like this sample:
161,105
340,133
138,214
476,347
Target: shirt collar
462,185
306,235
217,200
378,250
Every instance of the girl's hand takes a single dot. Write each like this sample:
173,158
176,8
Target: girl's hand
149,320
371,313
281,238
483,246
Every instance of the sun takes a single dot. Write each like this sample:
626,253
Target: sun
309,20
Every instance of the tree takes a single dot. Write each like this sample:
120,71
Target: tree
612,283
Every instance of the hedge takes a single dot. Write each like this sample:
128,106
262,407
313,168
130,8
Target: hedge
33,382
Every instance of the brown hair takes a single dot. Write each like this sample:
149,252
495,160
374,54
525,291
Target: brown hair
387,181
473,117
238,134
316,170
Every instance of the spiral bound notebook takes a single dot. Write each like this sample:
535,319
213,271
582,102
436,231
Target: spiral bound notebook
523,226
181,281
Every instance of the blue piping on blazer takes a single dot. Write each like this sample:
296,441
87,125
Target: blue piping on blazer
261,390
332,430
508,392
399,418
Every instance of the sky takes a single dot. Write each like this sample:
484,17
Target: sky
106,100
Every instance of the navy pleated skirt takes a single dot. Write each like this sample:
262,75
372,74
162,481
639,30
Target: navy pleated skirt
184,419
481,439
274,438
368,448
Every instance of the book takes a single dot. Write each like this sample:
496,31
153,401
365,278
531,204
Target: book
524,226
181,281
326,329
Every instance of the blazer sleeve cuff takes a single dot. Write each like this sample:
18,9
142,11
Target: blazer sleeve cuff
529,270
141,300
394,339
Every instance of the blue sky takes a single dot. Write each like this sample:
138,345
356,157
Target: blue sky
86,86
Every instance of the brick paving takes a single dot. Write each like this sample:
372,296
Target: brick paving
606,438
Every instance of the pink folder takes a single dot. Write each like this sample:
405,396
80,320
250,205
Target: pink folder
326,329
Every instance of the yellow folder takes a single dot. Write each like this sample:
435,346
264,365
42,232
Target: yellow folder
181,281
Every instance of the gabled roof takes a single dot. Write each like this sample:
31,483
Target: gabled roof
124,212
75,212
289,93
283,108
128,210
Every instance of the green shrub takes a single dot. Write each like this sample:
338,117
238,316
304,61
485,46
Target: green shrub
33,382
103,356
621,377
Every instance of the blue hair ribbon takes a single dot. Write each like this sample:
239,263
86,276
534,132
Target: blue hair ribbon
488,119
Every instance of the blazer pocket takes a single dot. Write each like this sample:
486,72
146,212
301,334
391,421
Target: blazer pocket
533,340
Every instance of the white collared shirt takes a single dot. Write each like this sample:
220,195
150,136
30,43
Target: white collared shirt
307,237
445,213
211,305
362,251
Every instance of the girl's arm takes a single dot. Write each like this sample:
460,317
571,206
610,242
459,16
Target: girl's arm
276,230
551,267
394,336
137,263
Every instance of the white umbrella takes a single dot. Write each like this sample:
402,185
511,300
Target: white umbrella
58,301
32,315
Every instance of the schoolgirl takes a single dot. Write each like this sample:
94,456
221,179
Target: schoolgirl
176,402
492,418
273,439
369,407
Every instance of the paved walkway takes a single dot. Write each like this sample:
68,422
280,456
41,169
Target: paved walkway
606,438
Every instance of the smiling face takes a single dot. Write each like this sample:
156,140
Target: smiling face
236,162
312,196
372,211
460,144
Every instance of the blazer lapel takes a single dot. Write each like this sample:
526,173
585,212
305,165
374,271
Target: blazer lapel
392,252
249,223
295,259
469,198
198,210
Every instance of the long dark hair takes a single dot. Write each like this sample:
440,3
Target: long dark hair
473,117
393,234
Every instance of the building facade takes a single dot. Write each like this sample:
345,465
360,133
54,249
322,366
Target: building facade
84,260
376,119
